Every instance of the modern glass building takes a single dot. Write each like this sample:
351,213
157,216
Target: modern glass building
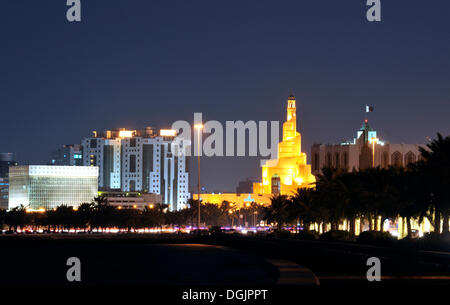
4,189
6,160
46,187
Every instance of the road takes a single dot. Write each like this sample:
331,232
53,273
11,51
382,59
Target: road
211,260
338,263
136,264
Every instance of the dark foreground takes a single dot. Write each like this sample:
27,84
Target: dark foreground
135,264
209,260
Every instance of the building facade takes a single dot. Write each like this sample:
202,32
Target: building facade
240,200
245,186
129,200
140,161
40,187
366,150
6,160
69,154
4,193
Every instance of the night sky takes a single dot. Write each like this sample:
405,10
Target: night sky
133,63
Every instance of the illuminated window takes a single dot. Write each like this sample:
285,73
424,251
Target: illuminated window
276,184
93,143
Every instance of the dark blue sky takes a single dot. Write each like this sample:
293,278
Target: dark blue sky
133,63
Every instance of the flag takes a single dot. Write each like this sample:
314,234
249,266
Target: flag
369,108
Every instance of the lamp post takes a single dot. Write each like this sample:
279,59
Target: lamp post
199,128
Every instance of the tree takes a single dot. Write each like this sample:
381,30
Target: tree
436,169
16,217
306,207
331,196
2,218
278,211
84,215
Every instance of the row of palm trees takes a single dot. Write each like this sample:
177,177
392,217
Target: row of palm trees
420,191
100,216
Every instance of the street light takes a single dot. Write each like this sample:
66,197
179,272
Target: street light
199,128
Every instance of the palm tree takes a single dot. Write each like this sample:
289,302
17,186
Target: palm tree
408,203
353,191
305,206
213,215
2,218
436,169
16,217
84,215
331,196
278,211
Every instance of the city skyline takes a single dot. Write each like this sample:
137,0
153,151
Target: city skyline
112,70
225,151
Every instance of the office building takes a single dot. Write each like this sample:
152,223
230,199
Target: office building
40,187
128,200
6,160
4,193
69,154
245,186
140,161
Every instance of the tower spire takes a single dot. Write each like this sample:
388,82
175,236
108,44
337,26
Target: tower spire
291,108
290,126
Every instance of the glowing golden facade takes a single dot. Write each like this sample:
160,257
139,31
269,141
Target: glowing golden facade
290,171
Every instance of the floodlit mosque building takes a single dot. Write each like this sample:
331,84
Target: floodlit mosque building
364,151
289,171
279,176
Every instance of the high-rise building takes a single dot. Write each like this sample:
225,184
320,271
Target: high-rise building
69,154
245,186
366,150
4,193
6,160
46,187
140,161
